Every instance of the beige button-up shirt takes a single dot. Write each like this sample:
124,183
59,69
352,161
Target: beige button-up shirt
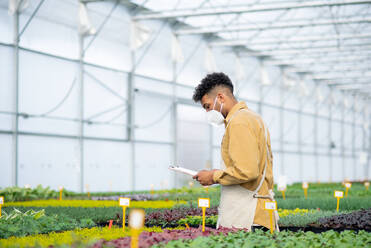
244,154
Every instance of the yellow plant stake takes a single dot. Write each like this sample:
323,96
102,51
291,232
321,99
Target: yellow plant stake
152,189
270,206
136,223
305,187
347,187
124,203
282,188
338,195
203,203
1,203
87,190
367,184
60,192
190,183
282,185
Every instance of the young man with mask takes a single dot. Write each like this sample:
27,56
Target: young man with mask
246,175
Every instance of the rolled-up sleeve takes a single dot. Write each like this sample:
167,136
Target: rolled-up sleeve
244,152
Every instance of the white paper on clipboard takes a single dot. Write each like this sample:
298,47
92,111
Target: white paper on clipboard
183,170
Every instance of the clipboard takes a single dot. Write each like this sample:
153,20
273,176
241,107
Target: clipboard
183,170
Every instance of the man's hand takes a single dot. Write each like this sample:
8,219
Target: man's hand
205,177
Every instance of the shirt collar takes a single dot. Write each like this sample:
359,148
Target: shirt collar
238,106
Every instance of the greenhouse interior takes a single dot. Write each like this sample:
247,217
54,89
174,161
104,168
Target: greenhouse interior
105,140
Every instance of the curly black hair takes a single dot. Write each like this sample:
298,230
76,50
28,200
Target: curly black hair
209,82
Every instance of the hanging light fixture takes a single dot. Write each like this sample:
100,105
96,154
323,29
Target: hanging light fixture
85,26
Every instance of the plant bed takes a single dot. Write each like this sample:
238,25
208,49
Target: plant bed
133,197
148,239
357,220
281,239
75,238
170,217
17,223
93,204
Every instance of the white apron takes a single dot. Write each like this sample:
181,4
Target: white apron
238,204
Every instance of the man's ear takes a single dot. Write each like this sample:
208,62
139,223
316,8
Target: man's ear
221,96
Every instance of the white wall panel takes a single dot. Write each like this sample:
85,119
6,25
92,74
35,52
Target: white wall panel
107,166
42,87
98,100
6,23
148,118
50,162
54,28
6,86
324,169
309,168
151,166
156,61
6,160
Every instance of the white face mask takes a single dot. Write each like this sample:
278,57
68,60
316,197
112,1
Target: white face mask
215,117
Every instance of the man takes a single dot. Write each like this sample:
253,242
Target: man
246,177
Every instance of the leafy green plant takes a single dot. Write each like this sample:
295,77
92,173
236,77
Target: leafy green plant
281,239
298,220
325,203
76,238
197,220
12,194
17,223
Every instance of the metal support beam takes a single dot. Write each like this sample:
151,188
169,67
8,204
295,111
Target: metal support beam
331,69
81,110
282,130
321,54
354,136
315,117
352,86
341,78
244,9
260,108
355,74
268,26
329,131
343,143
308,50
320,61
175,125
369,146
16,97
299,137
130,119
31,18
288,40
364,138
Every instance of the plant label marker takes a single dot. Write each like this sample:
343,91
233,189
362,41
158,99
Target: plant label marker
124,202
338,195
136,223
270,206
60,192
367,184
203,203
347,187
305,187
1,203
